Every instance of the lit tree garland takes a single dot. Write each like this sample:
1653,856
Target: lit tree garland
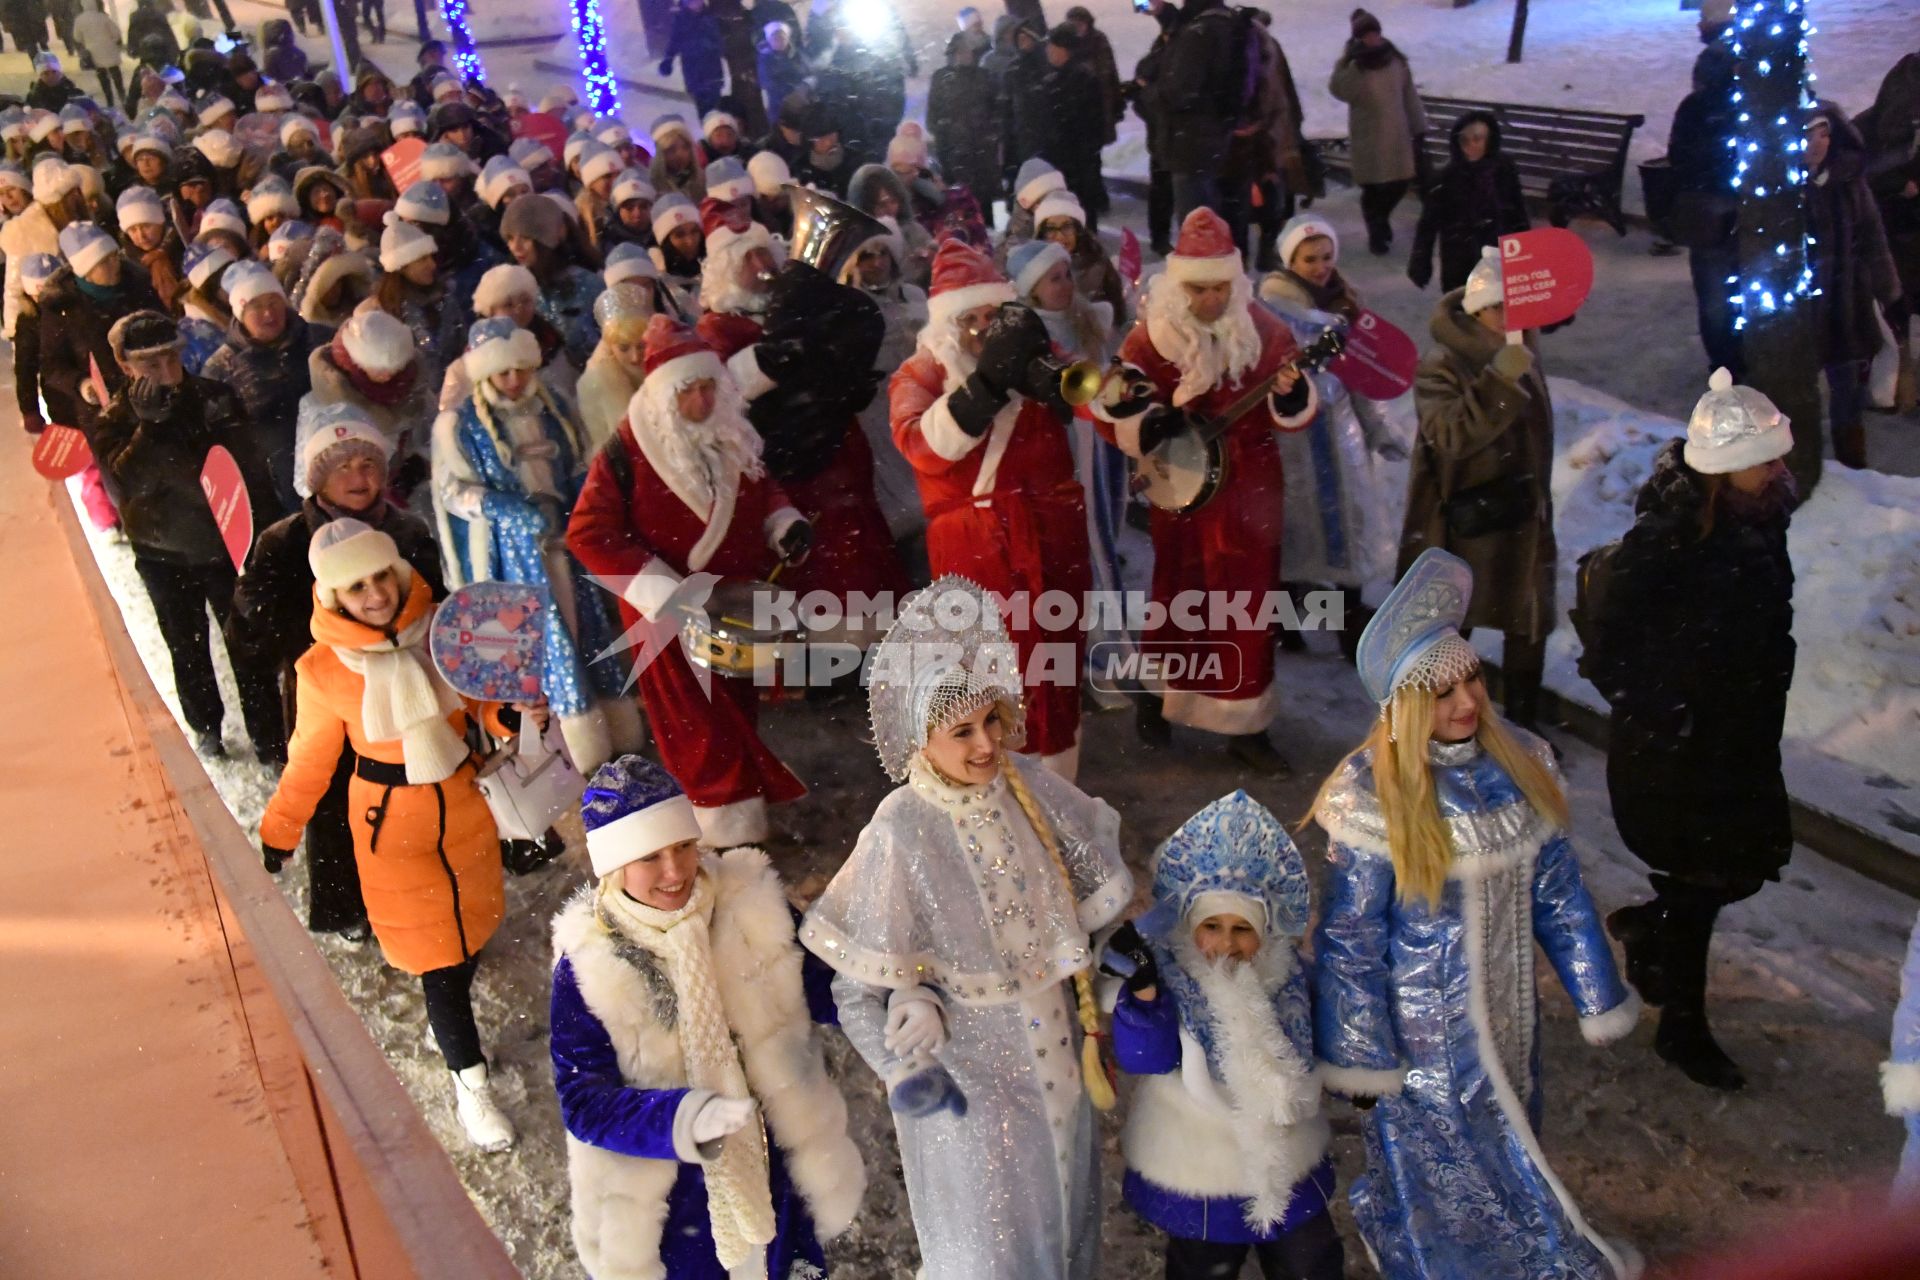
1769,39
603,95
465,56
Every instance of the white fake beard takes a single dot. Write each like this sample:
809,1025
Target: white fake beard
942,342
694,456
721,291
1207,355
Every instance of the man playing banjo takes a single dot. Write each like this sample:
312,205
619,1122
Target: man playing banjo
680,489
1208,352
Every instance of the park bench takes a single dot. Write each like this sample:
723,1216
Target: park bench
1573,160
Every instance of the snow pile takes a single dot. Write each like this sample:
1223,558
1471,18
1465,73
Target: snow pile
1856,557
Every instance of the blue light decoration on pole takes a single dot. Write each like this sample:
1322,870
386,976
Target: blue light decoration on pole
465,56
1770,95
590,30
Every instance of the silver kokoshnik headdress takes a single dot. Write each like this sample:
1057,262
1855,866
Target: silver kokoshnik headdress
946,656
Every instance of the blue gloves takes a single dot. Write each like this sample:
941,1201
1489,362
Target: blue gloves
927,1090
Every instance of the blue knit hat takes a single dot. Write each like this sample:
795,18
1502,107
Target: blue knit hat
1035,179
204,262
36,270
85,246
1029,260
425,201
633,808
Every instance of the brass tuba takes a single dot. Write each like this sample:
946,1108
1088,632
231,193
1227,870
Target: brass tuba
827,232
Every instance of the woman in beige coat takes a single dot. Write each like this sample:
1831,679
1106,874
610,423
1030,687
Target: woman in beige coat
1480,482
1385,122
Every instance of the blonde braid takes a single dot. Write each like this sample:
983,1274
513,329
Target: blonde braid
1093,1067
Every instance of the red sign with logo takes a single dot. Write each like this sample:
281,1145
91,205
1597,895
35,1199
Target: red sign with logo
1379,361
1129,263
1546,274
545,130
232,509
61,452
403,162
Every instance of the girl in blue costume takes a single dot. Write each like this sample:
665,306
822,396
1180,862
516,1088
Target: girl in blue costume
1226,1138
1447,856
508,465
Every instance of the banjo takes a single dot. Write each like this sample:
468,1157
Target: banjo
1184,473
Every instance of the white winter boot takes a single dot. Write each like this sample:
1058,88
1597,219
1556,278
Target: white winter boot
486,1124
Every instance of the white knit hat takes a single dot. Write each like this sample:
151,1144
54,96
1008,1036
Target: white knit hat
346,551
1301,229
402,243
377,342
1733,428
1485,288
769,172
220,148
501,284
1059,204
248,282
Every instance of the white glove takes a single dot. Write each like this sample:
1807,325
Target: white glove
915,1027
719,1117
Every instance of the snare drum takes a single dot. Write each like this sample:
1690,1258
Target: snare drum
720,635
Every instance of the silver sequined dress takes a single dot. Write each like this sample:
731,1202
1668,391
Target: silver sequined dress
1457,1186
950,888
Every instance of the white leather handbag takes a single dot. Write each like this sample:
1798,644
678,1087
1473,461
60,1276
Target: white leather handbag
528,783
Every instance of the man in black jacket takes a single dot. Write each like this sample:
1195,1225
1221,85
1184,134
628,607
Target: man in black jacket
77,312
345,466
1073,121
1147,107
1193,96
153,442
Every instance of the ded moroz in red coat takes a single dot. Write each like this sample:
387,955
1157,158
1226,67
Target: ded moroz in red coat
1229,548
657,530
1003,508
853,550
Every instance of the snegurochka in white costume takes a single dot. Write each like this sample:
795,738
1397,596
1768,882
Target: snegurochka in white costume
959,929
1447,859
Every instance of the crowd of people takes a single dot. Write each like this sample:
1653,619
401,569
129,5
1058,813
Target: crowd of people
739,348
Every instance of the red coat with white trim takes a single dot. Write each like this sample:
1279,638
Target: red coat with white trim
708,740
1229,546
853,550
1005,510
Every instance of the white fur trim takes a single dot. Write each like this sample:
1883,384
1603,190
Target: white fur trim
1302,229
1900,1084
521,351
1093,913
740,243
1363,1082
727,825
633,836
670,219
222,221
943,307
943,435
1213,270
1175,1141
1615,1024
684,1115
779,522
96,251
501,284
650,589
999,437
1293,422
744,365
1031,194
435,168
1220,715
681,370
1126,434
1059,204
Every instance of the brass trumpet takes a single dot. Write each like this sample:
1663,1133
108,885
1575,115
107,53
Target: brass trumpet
1080,382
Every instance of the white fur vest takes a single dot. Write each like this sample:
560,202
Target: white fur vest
620,1202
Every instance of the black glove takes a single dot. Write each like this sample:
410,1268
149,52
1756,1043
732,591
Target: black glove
1420,273
1128,956
1161,424
666,67
781,359
1133,393
796,541
1016,338
1363,1101
274,858
974,403
1289,403
151,399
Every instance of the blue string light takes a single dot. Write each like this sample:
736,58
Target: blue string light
603,95
465,56
1769,40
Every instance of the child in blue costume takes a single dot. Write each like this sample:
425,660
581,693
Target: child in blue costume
1226,1141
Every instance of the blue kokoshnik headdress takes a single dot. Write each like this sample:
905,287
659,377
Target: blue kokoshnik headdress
1414,639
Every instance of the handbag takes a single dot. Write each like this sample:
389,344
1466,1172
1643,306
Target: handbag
1493,507
528,783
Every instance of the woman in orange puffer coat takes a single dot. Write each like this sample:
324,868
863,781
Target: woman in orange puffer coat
423,838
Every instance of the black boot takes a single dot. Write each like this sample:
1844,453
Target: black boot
1152,722
1641,929
1257,752
1684,1039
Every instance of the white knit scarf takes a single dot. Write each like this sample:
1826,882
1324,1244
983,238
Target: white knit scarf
739,1198
406,698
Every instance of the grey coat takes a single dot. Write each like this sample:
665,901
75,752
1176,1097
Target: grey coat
1385,119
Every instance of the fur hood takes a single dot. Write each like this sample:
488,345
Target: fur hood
1464,338
340,267
620,1202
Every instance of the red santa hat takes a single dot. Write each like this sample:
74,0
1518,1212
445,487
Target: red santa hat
963,278
1205,252
677,356
729,228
